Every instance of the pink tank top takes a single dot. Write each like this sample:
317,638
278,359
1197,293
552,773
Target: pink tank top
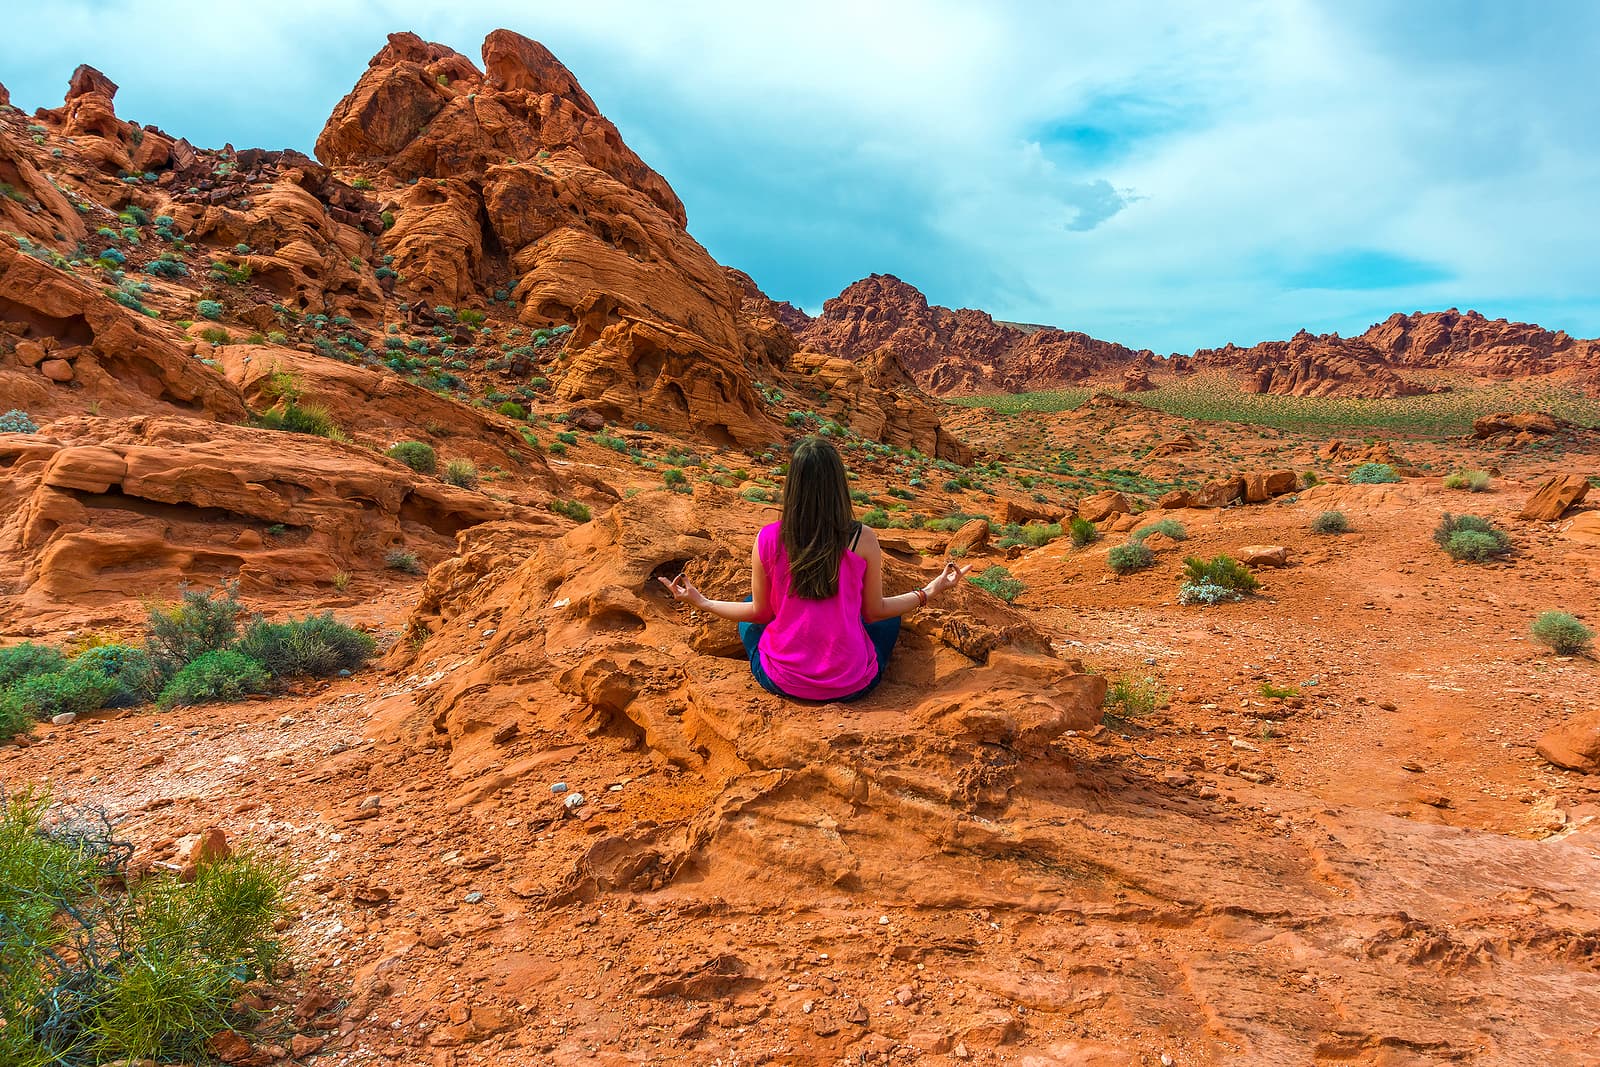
815,649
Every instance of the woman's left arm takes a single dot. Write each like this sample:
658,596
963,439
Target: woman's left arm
874,605
757,609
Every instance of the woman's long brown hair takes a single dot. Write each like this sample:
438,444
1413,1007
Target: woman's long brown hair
817,518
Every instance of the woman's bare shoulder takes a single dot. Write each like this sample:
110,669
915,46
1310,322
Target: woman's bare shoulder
867,542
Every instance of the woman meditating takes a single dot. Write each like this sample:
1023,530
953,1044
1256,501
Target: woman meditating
817,625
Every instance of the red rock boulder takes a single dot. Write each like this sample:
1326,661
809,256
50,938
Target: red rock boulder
1552,499
1575,744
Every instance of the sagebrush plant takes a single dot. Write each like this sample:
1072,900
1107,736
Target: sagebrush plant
999,581
1470,538
1033,534
1133,556
97,972
1471,481
575,510
418,455
293,417
1563,633
1223,571
1330,522
1373,474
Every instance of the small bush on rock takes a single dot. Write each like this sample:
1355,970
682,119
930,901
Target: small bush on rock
294,417
1330,522
461,473
17,421
417,455
876,518
998,580
1470,538
1128,698
1565,635
1170,527
1083,532
209,309
575,510
1133,556
400,559
1373,474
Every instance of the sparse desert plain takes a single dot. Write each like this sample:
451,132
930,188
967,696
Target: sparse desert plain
466,382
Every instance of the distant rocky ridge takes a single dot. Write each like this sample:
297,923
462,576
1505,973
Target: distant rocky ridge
963,351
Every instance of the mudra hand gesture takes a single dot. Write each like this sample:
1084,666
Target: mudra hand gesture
947,579
683,589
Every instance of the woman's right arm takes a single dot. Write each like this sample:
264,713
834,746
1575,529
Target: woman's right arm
757,609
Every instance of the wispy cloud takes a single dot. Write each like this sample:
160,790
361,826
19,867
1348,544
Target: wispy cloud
1161,174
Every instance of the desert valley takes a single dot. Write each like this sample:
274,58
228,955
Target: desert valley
1265,732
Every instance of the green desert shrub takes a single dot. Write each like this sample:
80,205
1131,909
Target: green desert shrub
575,510
28,659
1128,698
1563,633
215,335
1330,522
295,417
1471,481
1133,556
317,645
512,410
131,668
403,560
1470,538
999,581
1083,532
1373,474
417,455
1224,571
209,309
76,689
17,421
1170,527
755,494
200,622
461,473
876,518
97,972
222,674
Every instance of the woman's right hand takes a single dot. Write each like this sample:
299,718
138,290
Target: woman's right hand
948,578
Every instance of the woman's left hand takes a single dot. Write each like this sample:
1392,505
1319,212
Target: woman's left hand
948,578
682,589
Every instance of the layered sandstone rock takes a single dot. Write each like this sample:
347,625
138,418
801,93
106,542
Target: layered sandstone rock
1552,499
510,177
877,399
1575,744
101,510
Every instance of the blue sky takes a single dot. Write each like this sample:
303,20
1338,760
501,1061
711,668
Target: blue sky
1164,175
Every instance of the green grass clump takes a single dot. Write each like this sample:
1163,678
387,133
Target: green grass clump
1275,692
209,309
1471,481
1330,522
1128,698
1563,633
512,410
417,455
96,972
567,437
1082,531
1373,474
998,580
222,674
1470,538
1034,534
294,417
1170,527
1133,556
575,510
877,518
317,646
757,495
461,473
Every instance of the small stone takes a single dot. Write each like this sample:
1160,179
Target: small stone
558,787
473,897
573,801
960,1052
371,803
66,718
57,370
1166,1060
302,1046
807,1006
883,920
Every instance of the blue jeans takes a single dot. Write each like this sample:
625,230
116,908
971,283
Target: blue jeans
882,634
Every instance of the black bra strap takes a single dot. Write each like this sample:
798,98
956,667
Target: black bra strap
856,538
